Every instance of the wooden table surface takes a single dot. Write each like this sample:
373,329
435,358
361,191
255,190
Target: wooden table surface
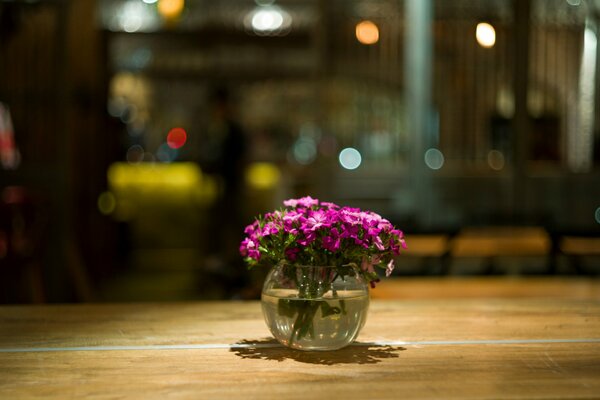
542,347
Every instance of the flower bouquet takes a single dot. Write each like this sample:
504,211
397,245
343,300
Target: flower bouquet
323,258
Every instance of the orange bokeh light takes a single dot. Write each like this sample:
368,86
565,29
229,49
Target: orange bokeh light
170,9
176,138
367,32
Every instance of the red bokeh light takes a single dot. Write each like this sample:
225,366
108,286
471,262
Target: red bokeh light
176,138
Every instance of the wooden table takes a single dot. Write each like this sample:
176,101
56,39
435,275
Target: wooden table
473,348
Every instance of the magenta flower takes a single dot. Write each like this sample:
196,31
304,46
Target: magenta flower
309,231
269,229
305,202
332,241
316,220
249,248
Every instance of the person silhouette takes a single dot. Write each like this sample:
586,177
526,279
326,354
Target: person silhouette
223,154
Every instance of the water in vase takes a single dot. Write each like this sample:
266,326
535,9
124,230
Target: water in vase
327,323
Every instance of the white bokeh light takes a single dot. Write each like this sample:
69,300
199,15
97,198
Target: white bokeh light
350,158
485,35
434,158
269,19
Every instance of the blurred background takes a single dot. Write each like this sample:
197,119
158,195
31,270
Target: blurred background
139,137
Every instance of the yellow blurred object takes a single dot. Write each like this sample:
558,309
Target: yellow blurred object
262,175
148,175
135,186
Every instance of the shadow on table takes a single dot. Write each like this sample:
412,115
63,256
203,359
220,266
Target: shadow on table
358,353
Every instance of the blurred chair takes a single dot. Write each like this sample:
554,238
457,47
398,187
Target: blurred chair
22,230
494,243
581,251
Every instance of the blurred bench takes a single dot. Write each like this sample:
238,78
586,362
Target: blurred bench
492,243
578,249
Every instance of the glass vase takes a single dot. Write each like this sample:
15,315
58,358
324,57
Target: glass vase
315,307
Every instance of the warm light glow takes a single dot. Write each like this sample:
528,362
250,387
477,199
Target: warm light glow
176,138
350,158
262,175
367,32
485,35
170,9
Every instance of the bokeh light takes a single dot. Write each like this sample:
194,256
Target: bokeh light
434,158
166,153
170,9
107,203
176,138
495,160
350,158
262,175
485,35
135,154
367,32
304,150
268,20
131,17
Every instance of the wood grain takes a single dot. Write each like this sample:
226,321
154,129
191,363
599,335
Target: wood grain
420,371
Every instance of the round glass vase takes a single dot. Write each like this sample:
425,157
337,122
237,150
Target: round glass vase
315,307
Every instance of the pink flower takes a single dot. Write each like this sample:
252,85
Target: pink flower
309,229
378,243
249,248
250,229
316,220
305,202
332,242
350,216
329,205
269,229
389,268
